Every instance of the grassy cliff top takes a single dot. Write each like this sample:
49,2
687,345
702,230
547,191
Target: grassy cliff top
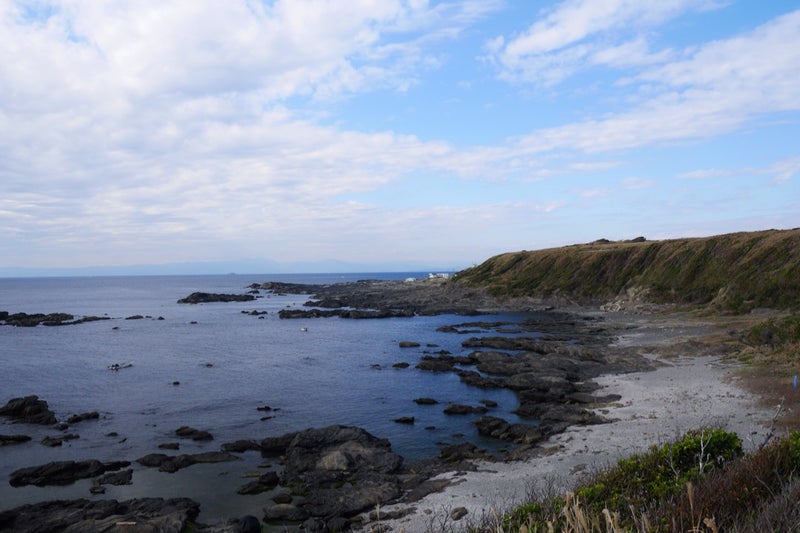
734,273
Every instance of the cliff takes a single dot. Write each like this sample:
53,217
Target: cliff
731,273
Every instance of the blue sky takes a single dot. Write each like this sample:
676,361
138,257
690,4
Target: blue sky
388,133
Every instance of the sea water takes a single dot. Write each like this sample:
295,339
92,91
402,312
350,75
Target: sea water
211,366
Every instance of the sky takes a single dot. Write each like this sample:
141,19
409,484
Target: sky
388,133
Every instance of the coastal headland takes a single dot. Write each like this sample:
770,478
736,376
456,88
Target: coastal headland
598,374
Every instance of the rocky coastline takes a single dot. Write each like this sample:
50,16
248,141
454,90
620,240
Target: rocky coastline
326,479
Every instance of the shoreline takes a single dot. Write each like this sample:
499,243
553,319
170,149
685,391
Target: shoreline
686,392
691,387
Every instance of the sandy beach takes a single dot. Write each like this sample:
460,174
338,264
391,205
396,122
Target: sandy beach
656,407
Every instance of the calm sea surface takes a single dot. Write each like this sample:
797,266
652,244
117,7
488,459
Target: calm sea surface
312,372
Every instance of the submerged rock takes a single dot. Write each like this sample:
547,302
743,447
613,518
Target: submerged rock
264,483
194,434
6,440
74,419
173,463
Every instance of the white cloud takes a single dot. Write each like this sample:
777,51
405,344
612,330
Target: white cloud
593,193
176,126
703,174
785,170
577,33
634,183
722,86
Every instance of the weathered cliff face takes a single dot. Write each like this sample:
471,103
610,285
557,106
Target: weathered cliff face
735,273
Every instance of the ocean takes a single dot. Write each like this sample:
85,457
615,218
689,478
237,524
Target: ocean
211,366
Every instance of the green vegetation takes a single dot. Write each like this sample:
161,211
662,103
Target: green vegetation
731,273
775,332
702,482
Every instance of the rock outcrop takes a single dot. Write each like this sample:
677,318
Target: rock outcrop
85,516
29,410
207,297
341,471
62,472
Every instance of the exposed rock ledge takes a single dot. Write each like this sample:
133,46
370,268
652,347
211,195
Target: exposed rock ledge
206,297
396,298
85,516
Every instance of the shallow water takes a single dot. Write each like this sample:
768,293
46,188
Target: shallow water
210,366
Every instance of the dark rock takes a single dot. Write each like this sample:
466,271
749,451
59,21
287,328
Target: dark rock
282,497
194,434
341,470
554,418
206,297
458,409
264,483
587,398
405,420
338,449
498,428
458,452
307,313
337,523
409,344
170,446
425,401
241,446
153,459
29,410
376,516
276,446
458,513
353,498
173,463
526,344
26,320
51,319
475,379
489,403
124,477
248,524
134,317
52,442
401,365
285,512
6,440
74,419
427,486
436,364
62,472
148,514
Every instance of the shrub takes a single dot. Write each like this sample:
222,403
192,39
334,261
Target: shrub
738,493
643,480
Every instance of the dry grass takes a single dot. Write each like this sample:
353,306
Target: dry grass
731,273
